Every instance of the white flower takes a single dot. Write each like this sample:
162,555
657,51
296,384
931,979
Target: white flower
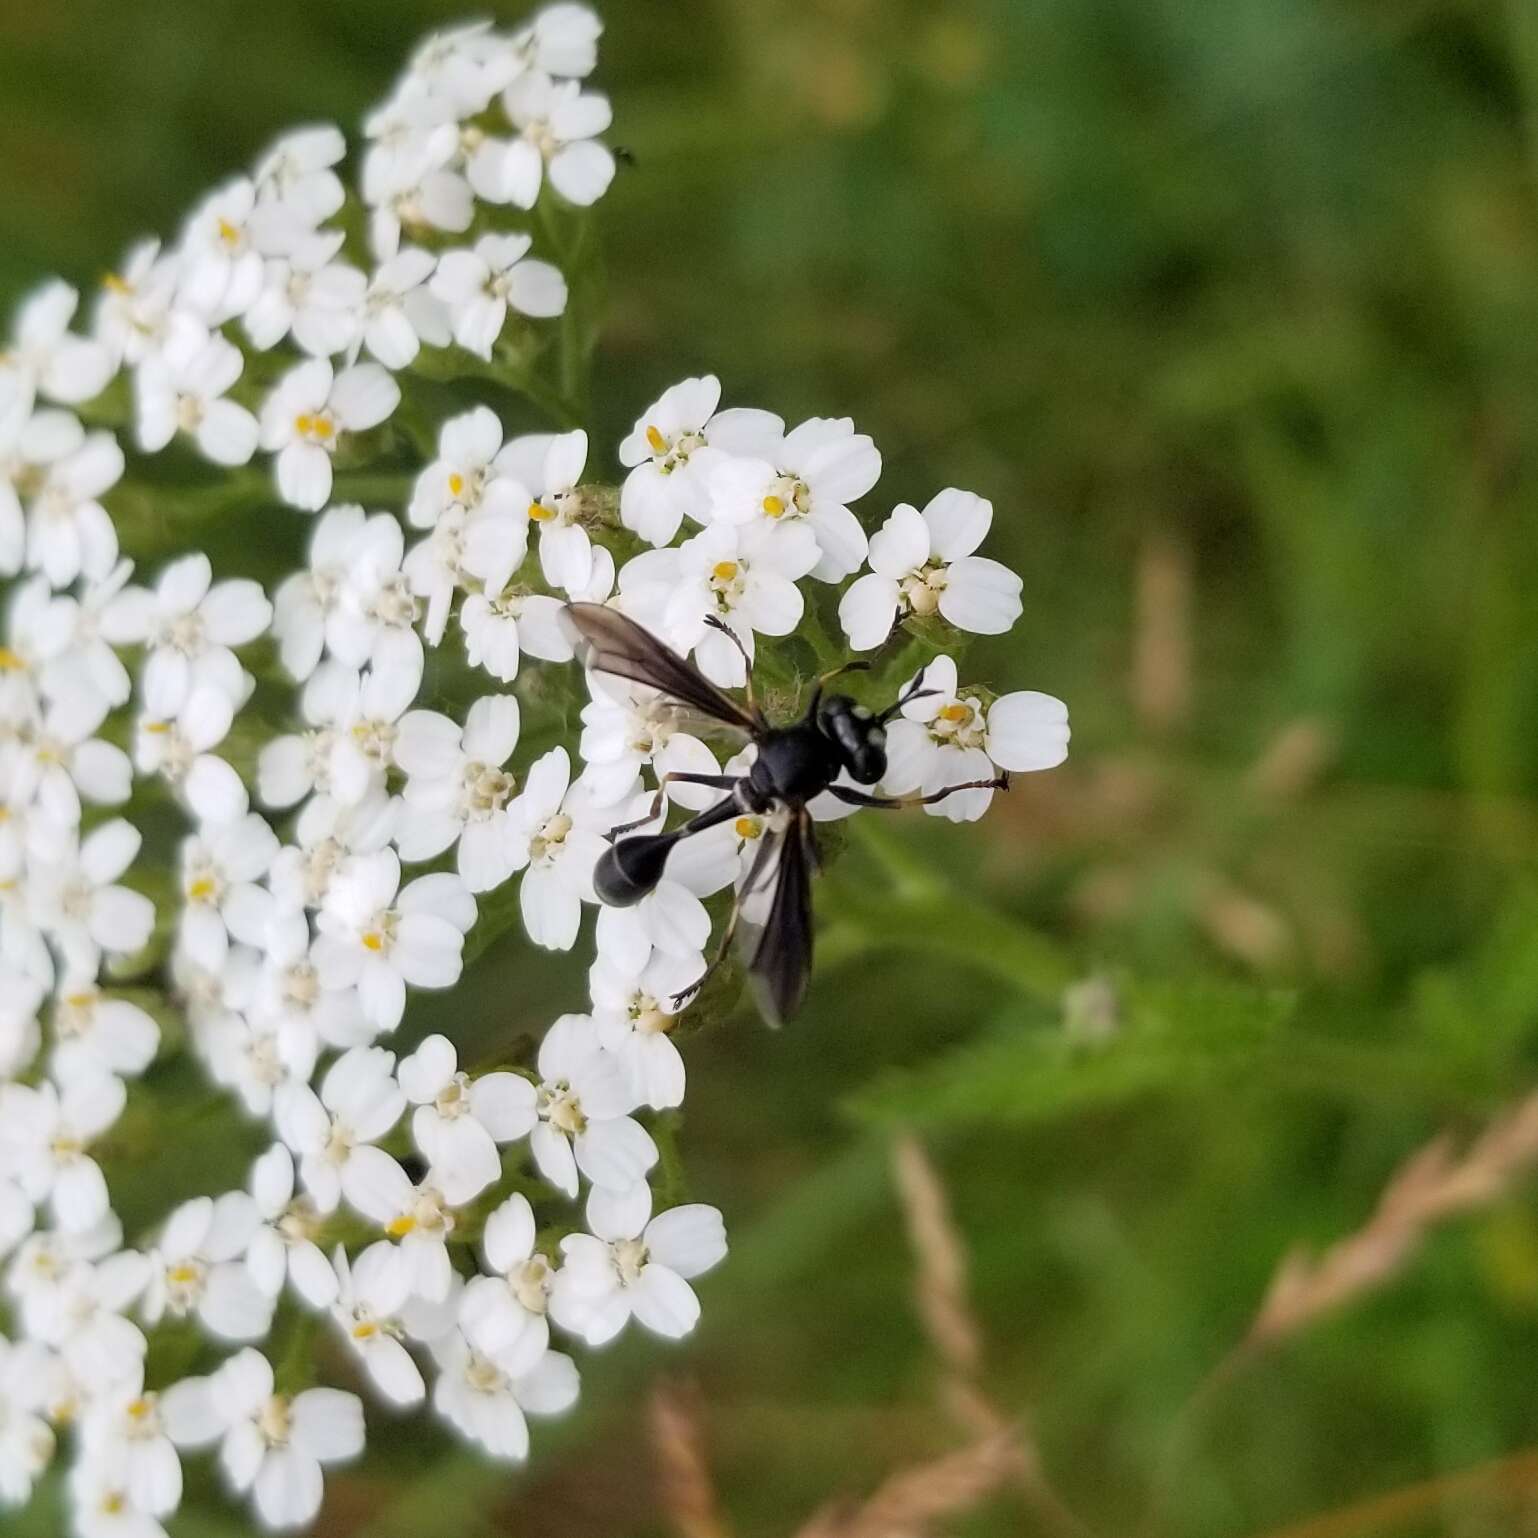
379,941
30,444
628,1267
46,1134
558,125
305,602
400,312
180,751
307,294
422,197
26,1442
69,533
72,1289
309,411
921,564
470,473
135,313
57,762
370,1300
223,246
551,467
744,576
46,357
503,1314
554,838
458,788
283,1245
434,571
271,1445
812,474
584,1106
94,1033
102,1502
633,1011
296,173
459,1121
672,449
21,998
562,40
627,728
418,1218
124,1426
487,1404
359,1102
81,665
948,738
183,389
480,285
75,899
221,865
189,623
196,1268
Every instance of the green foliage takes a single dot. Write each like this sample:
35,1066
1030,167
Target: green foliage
1255,283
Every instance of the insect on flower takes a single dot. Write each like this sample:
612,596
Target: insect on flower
794,764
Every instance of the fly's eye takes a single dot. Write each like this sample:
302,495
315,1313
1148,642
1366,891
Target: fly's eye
867,765
860,713
876,737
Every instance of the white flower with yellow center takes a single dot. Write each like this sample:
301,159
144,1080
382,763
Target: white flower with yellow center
69,533
102,1505
811,474
371,1298
400,312
459,1121
922,564
584,1103
223,247
479,286
947,737
503,1312
190,625
283,1245
308,414
124,1425
378,937
182,389
631,1268
634,1011
31,443
672,449
57,762
46,1135
416,1219
296,173
271,1445
221,866
459,790
555,839
486,1401
135,311
558,125
196,1269
359,1102
311,297
94,1033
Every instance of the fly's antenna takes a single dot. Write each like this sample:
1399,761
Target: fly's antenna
858,665
914,691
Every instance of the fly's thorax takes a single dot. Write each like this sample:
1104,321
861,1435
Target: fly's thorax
794,763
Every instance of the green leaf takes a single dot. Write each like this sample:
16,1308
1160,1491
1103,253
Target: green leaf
1168,1039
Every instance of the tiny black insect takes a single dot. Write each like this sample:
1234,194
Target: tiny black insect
794,764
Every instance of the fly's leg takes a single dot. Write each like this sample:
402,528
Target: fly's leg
714,781
717,623
756,873
860,798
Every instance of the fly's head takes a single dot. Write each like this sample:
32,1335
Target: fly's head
859,737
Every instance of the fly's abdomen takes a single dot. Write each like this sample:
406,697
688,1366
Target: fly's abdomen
628,870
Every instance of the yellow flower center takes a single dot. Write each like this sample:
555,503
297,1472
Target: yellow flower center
724,571
540,513
657,442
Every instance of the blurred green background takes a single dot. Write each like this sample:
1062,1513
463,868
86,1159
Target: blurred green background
1232,310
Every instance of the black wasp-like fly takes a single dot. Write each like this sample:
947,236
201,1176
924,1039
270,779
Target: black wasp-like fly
793,764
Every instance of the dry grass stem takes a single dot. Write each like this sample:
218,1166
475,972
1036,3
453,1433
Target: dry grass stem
1161,662
1433,1185
910,1503
686,1492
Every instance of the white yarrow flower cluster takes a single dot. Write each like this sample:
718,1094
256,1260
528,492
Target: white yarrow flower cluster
330,859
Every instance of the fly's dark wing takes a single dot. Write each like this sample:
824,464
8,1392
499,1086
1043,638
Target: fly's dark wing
610,642
780,962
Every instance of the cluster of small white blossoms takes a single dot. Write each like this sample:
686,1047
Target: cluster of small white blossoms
423,1208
